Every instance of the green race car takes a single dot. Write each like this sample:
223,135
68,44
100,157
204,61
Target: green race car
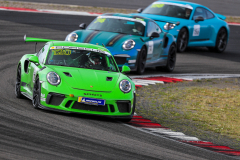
75,77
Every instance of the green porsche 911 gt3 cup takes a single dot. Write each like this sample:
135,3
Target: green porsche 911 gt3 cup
75,77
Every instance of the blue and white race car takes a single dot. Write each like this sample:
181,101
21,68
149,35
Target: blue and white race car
133,41
192,24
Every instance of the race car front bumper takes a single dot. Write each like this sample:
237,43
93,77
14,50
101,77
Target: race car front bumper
116,105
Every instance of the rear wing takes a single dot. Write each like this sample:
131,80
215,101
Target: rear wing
31,39
220,16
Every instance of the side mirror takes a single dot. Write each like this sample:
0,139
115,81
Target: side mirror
199,18
82,26
125,69
34,59
139,10
154,35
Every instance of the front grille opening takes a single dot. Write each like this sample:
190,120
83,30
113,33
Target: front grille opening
55,99
112,109
87,107
124,106
120,60
68,104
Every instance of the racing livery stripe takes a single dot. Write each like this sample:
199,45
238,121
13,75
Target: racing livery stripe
115,39
90,36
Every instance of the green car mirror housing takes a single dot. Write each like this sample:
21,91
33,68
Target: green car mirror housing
34,59
125,69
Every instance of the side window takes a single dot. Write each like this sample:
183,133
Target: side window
152,27
42,53
209,14
199,12
158,29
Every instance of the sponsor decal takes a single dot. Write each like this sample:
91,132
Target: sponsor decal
150,47
157,5
100,20
125,18
91,101
173,4
59,50
196,30
62,52
92,94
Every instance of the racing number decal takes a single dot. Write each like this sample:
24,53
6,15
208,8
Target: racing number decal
150,47
196,30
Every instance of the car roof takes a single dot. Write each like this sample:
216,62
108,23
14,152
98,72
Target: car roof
181,2
125,15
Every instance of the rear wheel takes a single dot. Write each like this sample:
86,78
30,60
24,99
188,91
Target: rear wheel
142,60
171,61
36,94
18,83
182,40
221,41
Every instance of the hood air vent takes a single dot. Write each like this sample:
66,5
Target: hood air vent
67,74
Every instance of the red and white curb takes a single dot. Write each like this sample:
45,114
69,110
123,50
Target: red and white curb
157,129
66,12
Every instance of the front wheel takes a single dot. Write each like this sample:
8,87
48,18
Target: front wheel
182,40
36,94
142,58
171,61
18,83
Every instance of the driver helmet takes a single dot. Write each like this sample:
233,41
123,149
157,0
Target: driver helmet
94,59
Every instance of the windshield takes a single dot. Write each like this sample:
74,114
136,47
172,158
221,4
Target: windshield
87,58
119,25
169,9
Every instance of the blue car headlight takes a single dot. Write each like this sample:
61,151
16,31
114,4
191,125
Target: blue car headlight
129,44
169,26
53,78
72,37
125,86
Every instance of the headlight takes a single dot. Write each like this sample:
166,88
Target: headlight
72,37
53,78
169,26
125,86
129,44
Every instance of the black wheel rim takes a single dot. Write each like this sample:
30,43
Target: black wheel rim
18,81
182,40
222,40
36,94
172,57
143,60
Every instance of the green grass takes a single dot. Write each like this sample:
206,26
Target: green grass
208,109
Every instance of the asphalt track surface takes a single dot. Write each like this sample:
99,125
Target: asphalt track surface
27,133
225,7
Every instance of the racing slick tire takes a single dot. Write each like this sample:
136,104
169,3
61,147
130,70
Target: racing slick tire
142,58
18,83
171,61
36,94
221,41
182,40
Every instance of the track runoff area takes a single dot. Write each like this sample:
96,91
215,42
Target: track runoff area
147,125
